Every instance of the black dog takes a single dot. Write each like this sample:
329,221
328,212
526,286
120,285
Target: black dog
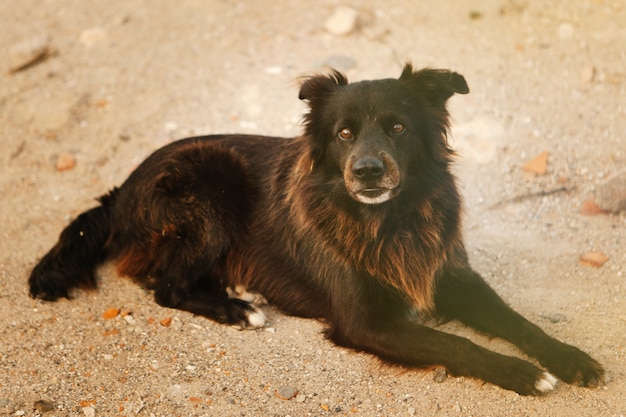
357,222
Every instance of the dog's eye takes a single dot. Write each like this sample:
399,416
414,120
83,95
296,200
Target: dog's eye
398,128
345,134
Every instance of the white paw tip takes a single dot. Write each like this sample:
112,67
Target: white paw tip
546,383
256,319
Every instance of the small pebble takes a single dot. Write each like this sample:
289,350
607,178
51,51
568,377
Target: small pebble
89,411
43,406
538,165
342,22
286,392
456,408
588,74
590,207
28,52
611,194
440,375
110,313
593,258
65,162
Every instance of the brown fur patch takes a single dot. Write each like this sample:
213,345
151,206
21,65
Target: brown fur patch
407,261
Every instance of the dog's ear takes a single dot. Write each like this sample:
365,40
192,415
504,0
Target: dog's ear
316,91
319,87
438,85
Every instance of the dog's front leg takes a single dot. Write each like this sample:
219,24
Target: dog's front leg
367,317
464,295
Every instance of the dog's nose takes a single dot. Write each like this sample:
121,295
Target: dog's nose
368,169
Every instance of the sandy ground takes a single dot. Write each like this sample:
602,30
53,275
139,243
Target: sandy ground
120,78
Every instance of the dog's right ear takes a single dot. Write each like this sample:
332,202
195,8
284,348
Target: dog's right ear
316,91
318,87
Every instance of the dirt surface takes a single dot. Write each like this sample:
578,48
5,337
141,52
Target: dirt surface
111,81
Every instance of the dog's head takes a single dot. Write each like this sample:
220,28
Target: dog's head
374,136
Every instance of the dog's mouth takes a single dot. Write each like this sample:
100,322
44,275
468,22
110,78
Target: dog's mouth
373,195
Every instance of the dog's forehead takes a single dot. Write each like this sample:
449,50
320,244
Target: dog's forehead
373,95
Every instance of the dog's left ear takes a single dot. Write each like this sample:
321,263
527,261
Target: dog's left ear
438,85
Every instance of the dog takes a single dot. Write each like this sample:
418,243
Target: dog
357,222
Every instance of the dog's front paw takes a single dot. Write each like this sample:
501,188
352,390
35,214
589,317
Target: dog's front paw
545,383
513,374
574,366
527,379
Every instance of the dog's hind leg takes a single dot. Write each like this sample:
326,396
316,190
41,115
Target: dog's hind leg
184,275
182,211
187,279
213,305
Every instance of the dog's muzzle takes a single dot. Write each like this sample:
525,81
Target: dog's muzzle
372,179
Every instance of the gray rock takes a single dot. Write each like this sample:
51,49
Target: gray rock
440,375
611,194
43,406
286,392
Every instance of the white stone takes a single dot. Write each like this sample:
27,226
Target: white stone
342,22
89,411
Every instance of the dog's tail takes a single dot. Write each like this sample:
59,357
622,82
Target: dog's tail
72,261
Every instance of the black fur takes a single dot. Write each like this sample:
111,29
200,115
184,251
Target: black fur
356,222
